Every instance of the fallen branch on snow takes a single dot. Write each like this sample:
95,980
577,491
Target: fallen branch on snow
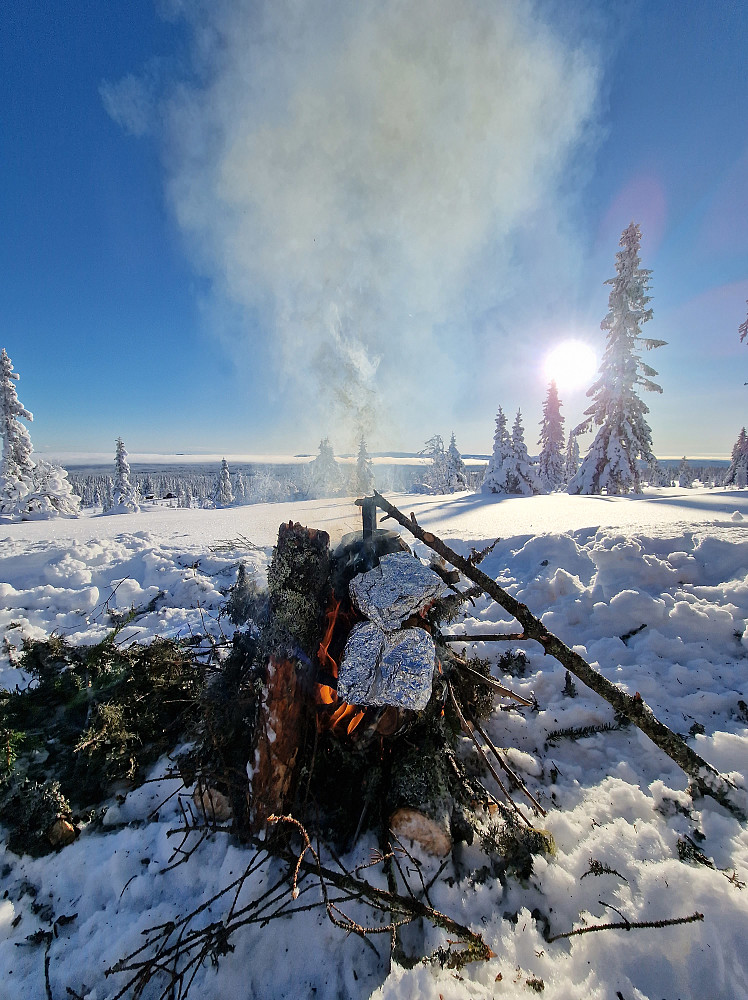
706,780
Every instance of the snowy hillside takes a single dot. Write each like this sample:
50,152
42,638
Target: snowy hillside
651,590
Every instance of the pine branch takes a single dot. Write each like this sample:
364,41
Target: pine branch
627,925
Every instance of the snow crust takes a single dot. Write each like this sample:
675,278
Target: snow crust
595,569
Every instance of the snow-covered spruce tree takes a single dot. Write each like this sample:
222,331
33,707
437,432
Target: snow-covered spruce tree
240,487
107,499
52,495
363,477
325,479
624,435
123,492
223,495
494,479
571,458
16,466
456,470
685,474
738,468
28,489
657,475
435,478
521,475
551,464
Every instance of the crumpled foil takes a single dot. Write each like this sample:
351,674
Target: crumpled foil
400,586
387,668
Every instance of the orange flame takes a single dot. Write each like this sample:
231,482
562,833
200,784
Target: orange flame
345,718
323,653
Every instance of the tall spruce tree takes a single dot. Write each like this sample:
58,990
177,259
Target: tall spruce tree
551,464
624,435
123,492
522,477
494,479
28,488
738,469
16,466
223,495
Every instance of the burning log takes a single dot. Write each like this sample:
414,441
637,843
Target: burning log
299,584
350,721
280,734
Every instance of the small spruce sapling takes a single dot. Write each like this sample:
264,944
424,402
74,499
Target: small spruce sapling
456,470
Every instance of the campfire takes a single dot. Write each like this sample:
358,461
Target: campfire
356,705
357,700
343,708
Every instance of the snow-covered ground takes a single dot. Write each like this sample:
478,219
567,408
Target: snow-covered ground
594,569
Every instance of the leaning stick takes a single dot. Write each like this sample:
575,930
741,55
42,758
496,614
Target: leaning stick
706,779
486,637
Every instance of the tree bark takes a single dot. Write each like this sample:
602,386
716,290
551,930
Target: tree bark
280,734
419,799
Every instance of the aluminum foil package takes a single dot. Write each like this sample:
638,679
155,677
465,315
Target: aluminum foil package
387,668
400,586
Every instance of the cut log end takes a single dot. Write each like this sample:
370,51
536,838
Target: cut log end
431,834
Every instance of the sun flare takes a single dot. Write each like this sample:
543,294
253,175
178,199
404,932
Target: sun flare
571,365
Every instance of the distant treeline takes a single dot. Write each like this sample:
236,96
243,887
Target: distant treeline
195,485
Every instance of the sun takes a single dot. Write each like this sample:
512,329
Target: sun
571,365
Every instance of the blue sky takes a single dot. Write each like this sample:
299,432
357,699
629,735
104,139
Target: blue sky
234,227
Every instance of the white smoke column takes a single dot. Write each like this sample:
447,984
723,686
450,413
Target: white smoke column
361,174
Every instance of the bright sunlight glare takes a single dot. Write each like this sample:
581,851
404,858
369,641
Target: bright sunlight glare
571,365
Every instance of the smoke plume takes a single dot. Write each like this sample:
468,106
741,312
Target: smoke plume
374,184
